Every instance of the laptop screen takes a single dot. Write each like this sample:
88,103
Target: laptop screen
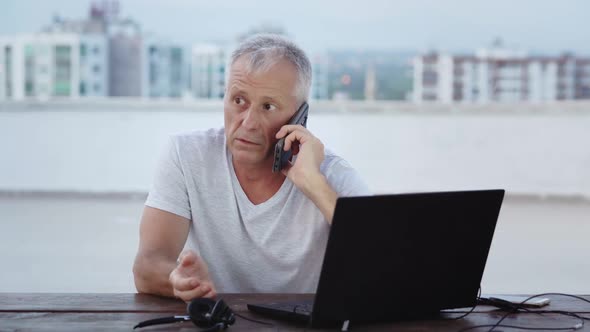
406,255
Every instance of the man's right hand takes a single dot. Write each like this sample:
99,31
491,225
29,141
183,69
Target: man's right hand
190,279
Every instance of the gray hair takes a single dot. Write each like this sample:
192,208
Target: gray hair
262,51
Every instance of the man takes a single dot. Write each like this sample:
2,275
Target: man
246,228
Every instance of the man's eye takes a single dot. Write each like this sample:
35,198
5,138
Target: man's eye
269,107
239,100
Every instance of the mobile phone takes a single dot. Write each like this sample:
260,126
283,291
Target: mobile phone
281,157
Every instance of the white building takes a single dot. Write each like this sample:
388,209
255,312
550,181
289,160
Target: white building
499,75
53,65
208,70
125,56
94,65
163,70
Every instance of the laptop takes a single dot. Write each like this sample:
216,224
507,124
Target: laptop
394,257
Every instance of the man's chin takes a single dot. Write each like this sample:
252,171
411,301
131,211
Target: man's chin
244,155
249,158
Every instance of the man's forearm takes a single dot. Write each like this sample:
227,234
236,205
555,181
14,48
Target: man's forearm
151,275
323,196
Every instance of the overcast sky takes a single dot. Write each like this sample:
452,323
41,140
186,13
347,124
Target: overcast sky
454,25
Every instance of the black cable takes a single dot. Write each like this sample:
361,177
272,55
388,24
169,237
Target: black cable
556,294
532,297
466,313
162,320
525,327
517,307
577,314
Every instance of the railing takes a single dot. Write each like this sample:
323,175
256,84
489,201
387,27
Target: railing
204,105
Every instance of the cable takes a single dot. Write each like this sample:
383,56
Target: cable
575,327
567,313
466,313
518,307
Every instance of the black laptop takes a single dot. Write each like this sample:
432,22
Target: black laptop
393,257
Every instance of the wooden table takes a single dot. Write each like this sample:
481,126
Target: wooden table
120,312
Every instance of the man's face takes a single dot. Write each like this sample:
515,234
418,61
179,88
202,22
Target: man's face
256,105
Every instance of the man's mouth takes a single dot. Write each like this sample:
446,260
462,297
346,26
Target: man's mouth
245,141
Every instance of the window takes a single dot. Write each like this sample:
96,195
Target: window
8,69
176,55
153,73
429,77
29,71
29,89
63,70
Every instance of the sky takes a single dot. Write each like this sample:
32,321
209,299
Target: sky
540,26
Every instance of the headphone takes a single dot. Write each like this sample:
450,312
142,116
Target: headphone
206,313
211,314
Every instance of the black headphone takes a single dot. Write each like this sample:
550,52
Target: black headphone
205,313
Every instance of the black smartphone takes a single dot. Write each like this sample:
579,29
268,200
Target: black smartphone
281,157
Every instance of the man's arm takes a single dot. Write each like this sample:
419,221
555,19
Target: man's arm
319,191
161,238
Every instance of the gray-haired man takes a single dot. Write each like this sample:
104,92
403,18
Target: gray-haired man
246,228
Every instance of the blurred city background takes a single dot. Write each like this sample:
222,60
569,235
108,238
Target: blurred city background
420,96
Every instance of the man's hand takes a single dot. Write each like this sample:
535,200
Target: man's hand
190,279
305,171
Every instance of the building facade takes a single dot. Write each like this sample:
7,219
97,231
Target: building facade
163,70
53,65
500,76
208,70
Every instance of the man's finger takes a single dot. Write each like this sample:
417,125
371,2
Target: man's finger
185,284
188,259
193,293
212,294
292,137
284,131
287,129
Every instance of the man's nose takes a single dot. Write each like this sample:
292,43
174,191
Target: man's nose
251,119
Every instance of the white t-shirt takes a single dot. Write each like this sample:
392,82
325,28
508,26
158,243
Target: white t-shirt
276,246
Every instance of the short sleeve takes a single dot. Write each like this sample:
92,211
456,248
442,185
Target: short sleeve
169,191
345,180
